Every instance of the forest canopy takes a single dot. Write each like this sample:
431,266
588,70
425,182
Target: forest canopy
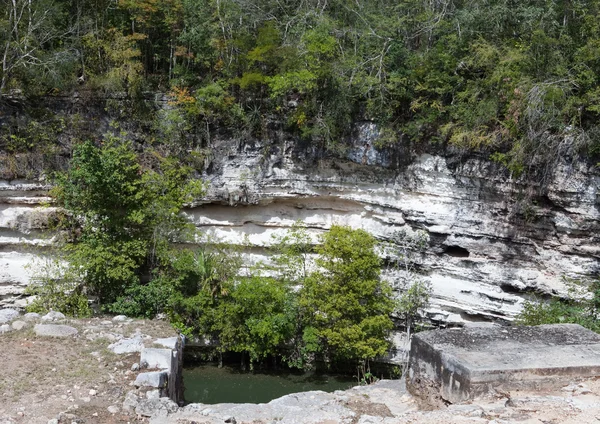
518,80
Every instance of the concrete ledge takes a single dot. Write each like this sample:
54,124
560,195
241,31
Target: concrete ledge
460,365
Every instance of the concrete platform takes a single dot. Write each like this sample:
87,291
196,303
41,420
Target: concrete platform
458,365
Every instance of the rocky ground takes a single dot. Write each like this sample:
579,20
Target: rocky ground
63,370
56,370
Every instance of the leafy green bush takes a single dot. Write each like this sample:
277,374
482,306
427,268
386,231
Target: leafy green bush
583,308
340,313
54,287
121,221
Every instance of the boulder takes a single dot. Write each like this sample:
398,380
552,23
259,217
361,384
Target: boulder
32,316
153,394
133,344
54,330
120,318
19,325
53,316
156,358
150,407
7,315
131,401
156,379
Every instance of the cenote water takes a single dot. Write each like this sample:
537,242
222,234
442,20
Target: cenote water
209,384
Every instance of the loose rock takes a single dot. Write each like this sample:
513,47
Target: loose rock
7,315
32,316
153,394
54,330
131,401
113,409
120,318
19,325
134,344
149,407
53,316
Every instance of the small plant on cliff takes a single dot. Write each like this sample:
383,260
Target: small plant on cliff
405,249
55,288
121,218
581,307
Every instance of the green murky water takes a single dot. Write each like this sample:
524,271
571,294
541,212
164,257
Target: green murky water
209,384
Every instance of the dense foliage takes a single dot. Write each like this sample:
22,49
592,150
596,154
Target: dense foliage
517,80
341,312
121,219
345,301
582,307
124,242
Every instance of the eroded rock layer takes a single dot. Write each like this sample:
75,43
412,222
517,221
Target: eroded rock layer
491,239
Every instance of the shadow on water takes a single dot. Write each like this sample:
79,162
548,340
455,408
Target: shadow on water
210,384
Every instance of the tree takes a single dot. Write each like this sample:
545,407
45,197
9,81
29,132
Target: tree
264,317
121,219
405,249
31,34
254,316
292,254
345,302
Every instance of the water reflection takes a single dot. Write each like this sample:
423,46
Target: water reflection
210,384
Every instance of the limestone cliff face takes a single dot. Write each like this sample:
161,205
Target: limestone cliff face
490,241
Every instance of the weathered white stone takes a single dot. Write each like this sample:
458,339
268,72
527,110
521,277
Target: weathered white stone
156,379
5,328
7,315
153,394
168,342
18,325
120,318
153,358
54,330
131,401
53,316
32,316
134,344
113,409
153,407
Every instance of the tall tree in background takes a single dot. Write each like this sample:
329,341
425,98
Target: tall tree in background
32,34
